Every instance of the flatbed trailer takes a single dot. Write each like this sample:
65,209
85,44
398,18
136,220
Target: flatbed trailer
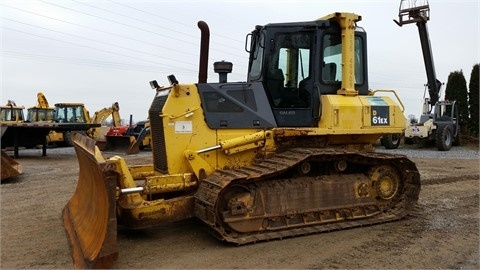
32,134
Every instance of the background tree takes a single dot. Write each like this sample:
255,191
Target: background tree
474,89
412,119
457,90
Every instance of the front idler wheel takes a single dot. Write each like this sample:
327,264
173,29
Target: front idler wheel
234,210
385,183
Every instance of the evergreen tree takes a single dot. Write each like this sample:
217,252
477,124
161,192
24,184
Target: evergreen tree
457,90
474,89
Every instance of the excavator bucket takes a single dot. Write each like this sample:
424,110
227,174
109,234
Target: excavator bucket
90,215
10,167
127,144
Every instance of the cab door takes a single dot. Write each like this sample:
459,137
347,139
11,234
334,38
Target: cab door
289,76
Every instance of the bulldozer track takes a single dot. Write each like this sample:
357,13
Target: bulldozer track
264,174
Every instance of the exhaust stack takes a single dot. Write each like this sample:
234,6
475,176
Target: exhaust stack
204,47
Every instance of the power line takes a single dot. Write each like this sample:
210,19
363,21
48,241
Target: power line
101,31
133,18
101,42
173,21
129,26
89,62
99,64
89,47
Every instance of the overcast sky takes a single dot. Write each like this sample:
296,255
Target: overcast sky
100,52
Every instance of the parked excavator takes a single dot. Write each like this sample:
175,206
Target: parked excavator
439,120
289,152
100,117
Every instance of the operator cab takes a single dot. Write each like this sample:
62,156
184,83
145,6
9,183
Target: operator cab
11,113
291,66
35,114
299,62
70,113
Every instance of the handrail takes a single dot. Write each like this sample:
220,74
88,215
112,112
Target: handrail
391,91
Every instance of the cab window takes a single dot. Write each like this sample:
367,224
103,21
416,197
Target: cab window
332,59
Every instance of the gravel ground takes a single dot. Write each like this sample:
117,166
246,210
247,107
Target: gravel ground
419,151
443,232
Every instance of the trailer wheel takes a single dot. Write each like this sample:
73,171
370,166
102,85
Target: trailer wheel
391,141
443,137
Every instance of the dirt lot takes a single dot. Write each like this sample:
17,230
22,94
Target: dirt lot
443,232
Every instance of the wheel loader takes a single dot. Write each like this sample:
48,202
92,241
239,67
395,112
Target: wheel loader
288,152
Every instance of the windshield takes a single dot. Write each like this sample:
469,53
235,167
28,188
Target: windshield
70,114
11,114
40,115
332,59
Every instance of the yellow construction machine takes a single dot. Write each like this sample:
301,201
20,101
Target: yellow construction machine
41,112
78,113
71,113
100,117
11,112
10,167
288,152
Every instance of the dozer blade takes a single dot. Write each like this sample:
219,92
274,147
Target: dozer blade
127,144
10,167
90,216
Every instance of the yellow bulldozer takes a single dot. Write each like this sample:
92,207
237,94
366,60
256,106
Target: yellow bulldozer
289,152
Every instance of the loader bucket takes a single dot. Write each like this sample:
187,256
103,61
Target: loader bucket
10,167
90,215
126,144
